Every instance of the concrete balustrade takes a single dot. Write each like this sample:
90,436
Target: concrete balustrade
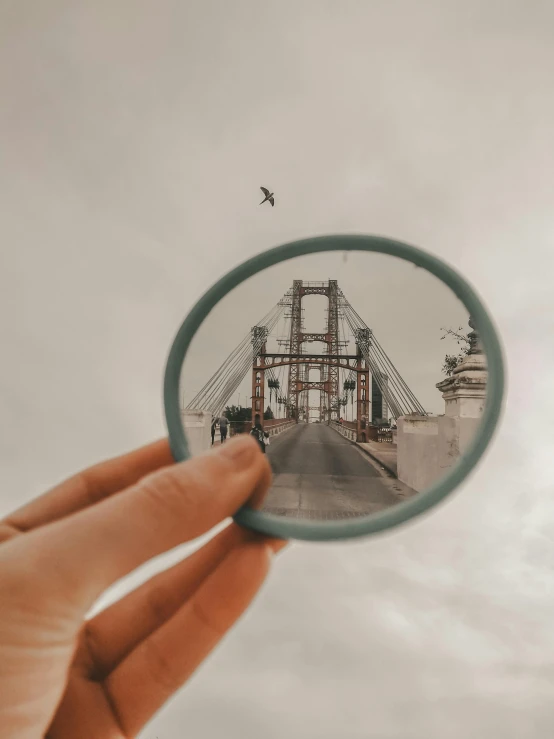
348,433
352,425
197,425
418,451
278,428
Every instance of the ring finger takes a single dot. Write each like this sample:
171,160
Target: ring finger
111,635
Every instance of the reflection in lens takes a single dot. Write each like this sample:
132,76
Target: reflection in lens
349,428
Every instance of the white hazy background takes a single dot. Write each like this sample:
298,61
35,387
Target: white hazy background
133,139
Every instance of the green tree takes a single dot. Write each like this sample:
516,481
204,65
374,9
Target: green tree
235,413
451,361
268,414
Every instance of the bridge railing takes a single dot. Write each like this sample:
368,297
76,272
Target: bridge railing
278,428
384,435
352,425
344,430
274,427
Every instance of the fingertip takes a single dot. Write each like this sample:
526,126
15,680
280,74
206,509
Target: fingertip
257,498
241,449
277,545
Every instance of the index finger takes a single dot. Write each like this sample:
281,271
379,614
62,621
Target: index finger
84,553
90,486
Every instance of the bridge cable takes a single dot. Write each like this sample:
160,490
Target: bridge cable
407,402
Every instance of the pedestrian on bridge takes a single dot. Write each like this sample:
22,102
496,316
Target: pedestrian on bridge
214,424
223,428
258,432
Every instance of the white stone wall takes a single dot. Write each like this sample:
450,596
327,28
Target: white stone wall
417,441
197,425
429,446
455,435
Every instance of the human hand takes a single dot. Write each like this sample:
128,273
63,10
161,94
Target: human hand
65,677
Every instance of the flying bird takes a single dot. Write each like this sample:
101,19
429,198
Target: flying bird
268,196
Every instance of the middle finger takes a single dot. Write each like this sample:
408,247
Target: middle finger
111,635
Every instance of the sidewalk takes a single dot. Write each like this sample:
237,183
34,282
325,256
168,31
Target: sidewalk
384,453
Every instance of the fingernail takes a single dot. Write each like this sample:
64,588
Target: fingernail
240,449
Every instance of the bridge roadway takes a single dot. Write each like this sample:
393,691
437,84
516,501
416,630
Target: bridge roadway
320,475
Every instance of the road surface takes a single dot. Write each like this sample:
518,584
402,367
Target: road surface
318,474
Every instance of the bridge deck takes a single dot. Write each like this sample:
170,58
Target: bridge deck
318,474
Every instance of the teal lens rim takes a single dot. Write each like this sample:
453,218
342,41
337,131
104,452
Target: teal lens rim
285,528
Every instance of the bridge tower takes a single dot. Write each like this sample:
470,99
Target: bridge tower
259,339
294,344
362,385
333,344
298,378
388,393
322,403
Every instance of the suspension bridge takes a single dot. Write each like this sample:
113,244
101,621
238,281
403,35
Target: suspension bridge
349,354
314,384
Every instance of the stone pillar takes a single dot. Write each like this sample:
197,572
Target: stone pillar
427,446
197,425
417,451
464,395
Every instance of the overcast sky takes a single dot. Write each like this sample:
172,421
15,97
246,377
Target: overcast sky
403,306
134,137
